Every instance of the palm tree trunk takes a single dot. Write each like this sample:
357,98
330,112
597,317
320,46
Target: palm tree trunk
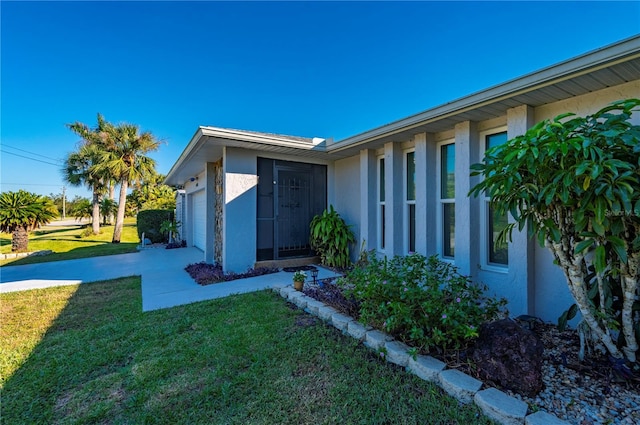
117,231
112,196
19,240
95,216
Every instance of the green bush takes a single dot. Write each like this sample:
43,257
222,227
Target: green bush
149,222
422,301
330,238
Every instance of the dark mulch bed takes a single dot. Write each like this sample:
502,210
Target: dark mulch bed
207,274
299,269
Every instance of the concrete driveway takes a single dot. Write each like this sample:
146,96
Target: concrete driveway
165,283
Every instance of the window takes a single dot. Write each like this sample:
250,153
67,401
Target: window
447,200
410,201
381,205
495,255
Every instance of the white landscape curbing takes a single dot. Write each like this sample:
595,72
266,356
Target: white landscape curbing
494,403
459,385
500,407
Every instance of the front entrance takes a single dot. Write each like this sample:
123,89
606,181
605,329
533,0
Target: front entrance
289,195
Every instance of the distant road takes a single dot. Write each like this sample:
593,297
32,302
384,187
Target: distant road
68,222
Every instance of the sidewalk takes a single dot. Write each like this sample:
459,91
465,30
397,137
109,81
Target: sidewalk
165,283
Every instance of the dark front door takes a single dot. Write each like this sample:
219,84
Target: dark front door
289,195
293,213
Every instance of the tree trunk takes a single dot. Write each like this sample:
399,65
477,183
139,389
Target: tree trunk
95,216
19,240
573,270
117,231
629,291
112,196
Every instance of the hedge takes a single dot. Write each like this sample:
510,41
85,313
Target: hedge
149,222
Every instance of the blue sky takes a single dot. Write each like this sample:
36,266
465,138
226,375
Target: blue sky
315,69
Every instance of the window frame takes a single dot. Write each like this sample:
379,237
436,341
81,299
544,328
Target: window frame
485,215
380,203
441,202
408,203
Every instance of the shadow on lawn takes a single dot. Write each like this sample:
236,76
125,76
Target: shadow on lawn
72,371
104,248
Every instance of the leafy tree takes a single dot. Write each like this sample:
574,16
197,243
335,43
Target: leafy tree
151,194
575,182
21,212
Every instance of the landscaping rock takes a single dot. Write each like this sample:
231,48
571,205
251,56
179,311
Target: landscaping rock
500,407
314,307
300,301
341,321
376,339
543,418
459,385
397,353
426,367
326,312
510,356
284,292
357,330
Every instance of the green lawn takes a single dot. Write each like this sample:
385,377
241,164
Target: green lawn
87,354
67,243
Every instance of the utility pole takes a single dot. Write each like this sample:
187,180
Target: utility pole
64,203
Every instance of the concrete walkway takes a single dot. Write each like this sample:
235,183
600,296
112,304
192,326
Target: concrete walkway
165,283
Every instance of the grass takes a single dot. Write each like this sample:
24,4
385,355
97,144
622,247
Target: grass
87,354
67,243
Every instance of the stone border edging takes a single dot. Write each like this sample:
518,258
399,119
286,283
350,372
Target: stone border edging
494,403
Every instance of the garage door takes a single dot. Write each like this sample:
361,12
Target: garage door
199,219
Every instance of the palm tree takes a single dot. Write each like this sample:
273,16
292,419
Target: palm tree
125,159
108,209
82,166
82,209
21,212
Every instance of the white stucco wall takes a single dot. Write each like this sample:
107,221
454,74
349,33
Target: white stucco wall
531,282
239,210
347,195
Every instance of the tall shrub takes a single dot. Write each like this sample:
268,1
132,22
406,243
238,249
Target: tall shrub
150,222
575,183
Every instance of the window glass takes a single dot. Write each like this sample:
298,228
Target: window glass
448,229
447,171
496,254
411,176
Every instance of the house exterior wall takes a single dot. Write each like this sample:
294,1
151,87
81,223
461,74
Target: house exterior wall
347,173
240,176
531,282
240,180
552,296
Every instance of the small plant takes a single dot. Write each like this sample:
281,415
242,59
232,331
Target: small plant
331,238
299,276
419,300
171,228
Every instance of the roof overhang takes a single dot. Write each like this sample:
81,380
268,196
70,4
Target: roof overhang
609,66
208,143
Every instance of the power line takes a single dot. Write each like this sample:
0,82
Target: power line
31,153
33,159
27,184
